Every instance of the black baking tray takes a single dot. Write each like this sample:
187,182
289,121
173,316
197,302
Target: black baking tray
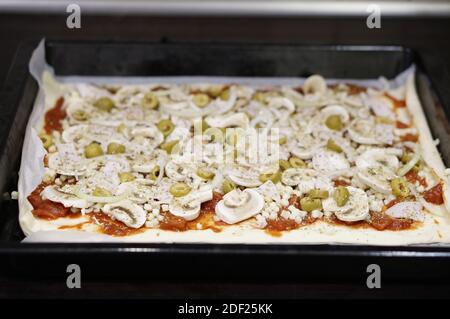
335,262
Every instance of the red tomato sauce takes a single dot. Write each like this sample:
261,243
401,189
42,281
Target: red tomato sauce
413,177
434,195
54,117
46,209
396,102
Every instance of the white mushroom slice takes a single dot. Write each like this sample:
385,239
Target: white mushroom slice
177,172
238,205
127,212
282,107
362,132
54,194
295,176
228,120
74,133
377,178
150,132
185,109
67,164
355,209
303,146
188,207
377,157
315,84
380,105
335,110
219,106
243,176
330,163
367,132
410,210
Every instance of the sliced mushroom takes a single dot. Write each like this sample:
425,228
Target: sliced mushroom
378,157
295,176
330,163
176,171
315,84
188,207
367,132
378,178
127,212
67,164
150,132
304,146
380,105
55,194
238,205
335,110
355,209
410,210
282,107
219,106
228,120
246,177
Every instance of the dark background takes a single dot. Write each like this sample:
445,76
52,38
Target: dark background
430,36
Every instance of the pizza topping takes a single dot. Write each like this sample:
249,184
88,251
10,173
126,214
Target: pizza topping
239,205
54,117
356,207
407,209
127,212
434,195
337,155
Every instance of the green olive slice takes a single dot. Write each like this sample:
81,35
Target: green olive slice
154,173
115,148
296,162
284,165
228,186
205,174
341,195
275,177
168,146
46,139
201,99
318,193
126,177
179,189
149,101
332,146
101,192
334,122
165,126
399,187
309,204
104,104
93,150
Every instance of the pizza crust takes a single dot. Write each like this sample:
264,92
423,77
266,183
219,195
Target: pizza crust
435,229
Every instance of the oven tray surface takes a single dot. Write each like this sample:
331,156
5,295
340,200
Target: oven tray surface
139,59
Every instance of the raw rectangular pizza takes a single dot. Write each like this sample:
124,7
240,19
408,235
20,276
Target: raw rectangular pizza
199,162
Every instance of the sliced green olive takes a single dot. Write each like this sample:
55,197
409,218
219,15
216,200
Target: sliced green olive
201,99
93,150
165,126
215,90
46,139
282,140
334,122
104,104
228,186
205,174
168,146
126,177
275,177
150,101
115,148
225,95
80,115
309,204
284,165
154,174
121,128
179,189
318,193
205,126
406,157
101,192
399,187
296,162
260,97
332,146
341,195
